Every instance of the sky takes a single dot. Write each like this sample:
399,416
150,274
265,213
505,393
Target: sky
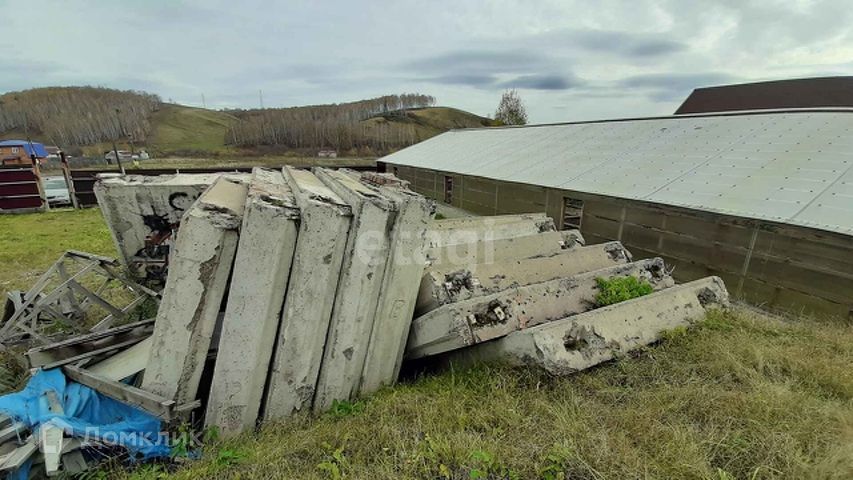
569,60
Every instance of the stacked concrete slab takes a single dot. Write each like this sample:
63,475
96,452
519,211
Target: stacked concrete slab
200,267
474,229
313,280
507,298
359,288
443,284
581,341
258,286
324,269
320,246
405,266
493,251
485,317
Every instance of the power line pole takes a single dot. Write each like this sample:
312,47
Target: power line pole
203,103
115,149
261,94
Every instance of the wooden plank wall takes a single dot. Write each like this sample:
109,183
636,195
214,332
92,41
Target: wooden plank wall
772,265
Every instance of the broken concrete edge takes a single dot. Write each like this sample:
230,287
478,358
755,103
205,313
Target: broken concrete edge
269,187
483,318
495,251
223,203
309,189
452,283
580,341
337,180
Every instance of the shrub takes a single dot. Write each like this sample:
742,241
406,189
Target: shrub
619,289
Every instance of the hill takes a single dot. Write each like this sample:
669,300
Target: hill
86,121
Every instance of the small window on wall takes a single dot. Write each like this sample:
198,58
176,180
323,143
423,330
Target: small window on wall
572,213
448,189
396,172
14,149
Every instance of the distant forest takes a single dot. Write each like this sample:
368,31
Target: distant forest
80,116
336,126
71,116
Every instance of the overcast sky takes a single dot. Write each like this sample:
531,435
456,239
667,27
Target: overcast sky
570,60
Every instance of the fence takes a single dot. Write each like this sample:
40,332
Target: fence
21,189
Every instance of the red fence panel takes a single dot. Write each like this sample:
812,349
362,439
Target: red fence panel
20,190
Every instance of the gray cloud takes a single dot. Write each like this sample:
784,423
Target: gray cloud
494,70
569,61
677,80
623,43
479,61
471,80
542,82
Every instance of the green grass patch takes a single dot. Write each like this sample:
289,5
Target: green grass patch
618,289
30,243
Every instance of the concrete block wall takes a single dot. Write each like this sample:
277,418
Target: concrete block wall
772,265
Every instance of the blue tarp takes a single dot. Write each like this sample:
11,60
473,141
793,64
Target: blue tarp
88,414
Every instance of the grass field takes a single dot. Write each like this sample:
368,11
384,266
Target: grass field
743,395
29,244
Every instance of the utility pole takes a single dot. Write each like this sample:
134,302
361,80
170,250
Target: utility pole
115,149
203,103
261,94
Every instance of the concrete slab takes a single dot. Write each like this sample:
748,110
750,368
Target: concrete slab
259,282
142,212
399,289
480,319
582,341
492,251
199,270
320,246
448,284
359,288
486,230
479,221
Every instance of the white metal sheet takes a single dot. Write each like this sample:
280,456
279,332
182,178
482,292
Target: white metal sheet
792,166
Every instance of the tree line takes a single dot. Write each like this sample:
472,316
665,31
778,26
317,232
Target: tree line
74,116
79,116
335,126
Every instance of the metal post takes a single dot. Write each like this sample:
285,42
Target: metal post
115,149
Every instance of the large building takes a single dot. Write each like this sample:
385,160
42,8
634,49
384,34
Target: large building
764,199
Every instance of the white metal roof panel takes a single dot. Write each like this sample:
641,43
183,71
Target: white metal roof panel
787,166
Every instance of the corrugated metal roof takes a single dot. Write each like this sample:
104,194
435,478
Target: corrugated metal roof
38,147
786,166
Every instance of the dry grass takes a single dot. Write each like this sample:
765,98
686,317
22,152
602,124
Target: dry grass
741,396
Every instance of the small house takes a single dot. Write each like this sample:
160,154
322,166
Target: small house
19,152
